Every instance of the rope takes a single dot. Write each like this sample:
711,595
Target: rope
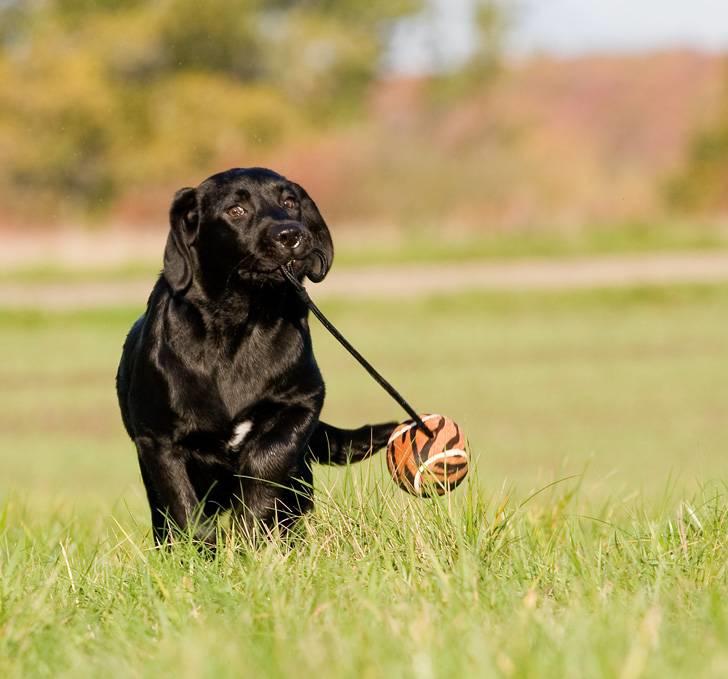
303,294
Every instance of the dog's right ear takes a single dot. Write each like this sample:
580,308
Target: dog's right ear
183,223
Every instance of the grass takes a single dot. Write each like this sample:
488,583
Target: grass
378,586
420,244
617,569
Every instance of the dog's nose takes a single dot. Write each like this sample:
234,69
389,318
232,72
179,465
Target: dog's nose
292,237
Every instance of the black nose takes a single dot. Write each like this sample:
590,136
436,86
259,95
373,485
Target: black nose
291,237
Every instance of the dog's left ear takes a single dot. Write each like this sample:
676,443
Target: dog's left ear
318,265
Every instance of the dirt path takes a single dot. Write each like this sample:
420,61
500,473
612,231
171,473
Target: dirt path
408,281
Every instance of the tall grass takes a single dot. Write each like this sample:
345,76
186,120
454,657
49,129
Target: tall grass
378,584
589,541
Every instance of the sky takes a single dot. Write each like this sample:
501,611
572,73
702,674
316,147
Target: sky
444,33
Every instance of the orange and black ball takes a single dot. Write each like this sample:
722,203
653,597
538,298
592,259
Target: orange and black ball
424,465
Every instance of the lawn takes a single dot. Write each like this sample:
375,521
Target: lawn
618,399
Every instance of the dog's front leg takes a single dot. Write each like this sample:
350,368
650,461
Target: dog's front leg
275,480
172,498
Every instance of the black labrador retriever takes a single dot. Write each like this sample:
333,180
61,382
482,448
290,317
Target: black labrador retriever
218,385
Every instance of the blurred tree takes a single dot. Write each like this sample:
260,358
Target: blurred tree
328,51
702,183
13,21
491,21
56,127
215,36
96,95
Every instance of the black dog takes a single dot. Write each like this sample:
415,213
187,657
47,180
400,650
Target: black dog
218,385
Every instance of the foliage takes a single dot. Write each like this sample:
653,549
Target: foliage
97,95
702,183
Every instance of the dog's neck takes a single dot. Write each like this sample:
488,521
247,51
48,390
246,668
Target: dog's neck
241,302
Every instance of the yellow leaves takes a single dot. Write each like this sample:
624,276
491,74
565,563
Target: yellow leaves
196,119
98,101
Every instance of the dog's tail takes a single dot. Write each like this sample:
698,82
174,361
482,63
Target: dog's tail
331,445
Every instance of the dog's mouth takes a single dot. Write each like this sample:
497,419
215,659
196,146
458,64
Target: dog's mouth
313,265
272,273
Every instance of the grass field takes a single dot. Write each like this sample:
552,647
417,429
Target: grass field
611,404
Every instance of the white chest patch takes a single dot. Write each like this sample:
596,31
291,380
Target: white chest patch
242,429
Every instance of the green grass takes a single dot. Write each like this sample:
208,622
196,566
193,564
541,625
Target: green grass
378,586
50,272
620,570
422,245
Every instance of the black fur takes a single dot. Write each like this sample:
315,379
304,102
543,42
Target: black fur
224,341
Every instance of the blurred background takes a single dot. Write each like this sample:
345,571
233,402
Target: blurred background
551,178
529,124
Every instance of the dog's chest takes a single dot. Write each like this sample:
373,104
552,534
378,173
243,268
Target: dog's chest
260,369
222,384
240,432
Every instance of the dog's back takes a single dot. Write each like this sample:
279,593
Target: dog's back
125,370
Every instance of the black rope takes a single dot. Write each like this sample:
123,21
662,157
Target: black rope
288,273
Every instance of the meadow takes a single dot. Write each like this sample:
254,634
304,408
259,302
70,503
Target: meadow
590,540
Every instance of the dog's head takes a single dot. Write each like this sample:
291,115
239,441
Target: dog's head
244,224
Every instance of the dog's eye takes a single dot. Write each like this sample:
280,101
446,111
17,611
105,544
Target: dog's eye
236,211
290,203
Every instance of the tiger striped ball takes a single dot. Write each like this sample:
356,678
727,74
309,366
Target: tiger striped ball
427,466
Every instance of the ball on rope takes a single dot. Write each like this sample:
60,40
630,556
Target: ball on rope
427,466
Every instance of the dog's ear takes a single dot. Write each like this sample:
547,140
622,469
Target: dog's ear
183,225
320,261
